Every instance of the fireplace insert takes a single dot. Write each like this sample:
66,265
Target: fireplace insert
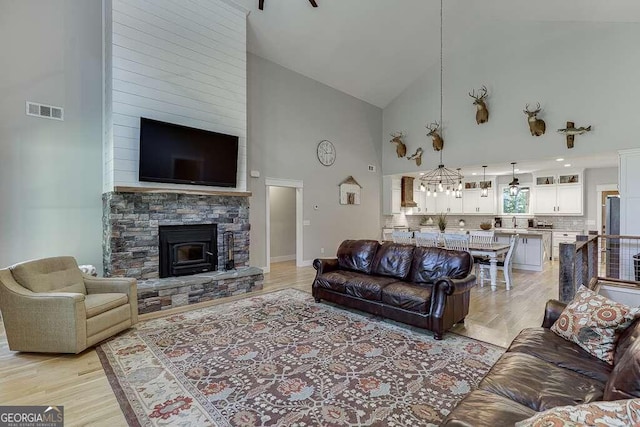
188,249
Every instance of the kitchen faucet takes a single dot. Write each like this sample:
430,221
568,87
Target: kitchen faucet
514,222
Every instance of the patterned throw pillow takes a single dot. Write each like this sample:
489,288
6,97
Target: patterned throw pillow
594,323
601,414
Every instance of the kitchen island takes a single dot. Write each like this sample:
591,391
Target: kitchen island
533,248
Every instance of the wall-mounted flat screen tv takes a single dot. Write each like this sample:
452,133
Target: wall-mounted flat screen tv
183,155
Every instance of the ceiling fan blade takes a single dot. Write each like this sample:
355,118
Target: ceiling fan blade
313,3
261,5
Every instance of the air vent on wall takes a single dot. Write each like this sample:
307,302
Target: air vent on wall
372,168
46,111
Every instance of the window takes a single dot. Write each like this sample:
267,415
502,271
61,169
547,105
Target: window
519,204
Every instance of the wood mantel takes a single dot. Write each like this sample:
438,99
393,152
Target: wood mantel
181,191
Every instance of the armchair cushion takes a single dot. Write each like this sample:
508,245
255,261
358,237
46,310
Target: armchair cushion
57,274
99,303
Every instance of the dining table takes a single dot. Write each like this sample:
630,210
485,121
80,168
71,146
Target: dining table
493,251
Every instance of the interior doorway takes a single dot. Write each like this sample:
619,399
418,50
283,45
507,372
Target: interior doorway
284,231
282,222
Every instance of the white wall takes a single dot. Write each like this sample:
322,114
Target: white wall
288,115
282,219
50,170
179,62
583,72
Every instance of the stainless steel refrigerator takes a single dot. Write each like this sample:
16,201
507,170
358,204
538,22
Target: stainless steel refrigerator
612,228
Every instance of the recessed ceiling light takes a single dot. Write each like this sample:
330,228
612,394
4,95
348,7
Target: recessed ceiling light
516,170
559,159
474,174
566,165
421,173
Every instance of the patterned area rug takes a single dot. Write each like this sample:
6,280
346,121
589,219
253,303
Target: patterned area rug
280,359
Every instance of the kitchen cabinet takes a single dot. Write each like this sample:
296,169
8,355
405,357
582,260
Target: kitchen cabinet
448,204
558,237
391,195
559,194
425,204
472,203
529,253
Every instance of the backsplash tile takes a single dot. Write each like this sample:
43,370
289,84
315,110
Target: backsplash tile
569,223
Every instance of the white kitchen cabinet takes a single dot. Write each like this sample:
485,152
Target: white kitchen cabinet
558,193
558,237
472,203
391,195
529,254
426,204
448,204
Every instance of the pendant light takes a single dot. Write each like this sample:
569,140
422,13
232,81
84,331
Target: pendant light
458,191
514,185
485,188
442,179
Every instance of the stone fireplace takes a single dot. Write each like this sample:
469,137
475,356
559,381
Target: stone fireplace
131,224
152,236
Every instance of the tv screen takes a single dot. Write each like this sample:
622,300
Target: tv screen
183,155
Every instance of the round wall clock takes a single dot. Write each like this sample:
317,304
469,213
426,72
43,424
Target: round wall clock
326,153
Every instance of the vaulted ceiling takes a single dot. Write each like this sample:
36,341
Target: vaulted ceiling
373,49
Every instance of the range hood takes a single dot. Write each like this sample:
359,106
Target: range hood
406,200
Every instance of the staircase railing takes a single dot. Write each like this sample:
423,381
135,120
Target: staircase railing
611,258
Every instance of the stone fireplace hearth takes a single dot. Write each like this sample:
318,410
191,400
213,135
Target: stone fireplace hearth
131,224
131,245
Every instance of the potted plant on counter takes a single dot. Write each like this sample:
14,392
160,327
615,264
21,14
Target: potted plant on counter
442,221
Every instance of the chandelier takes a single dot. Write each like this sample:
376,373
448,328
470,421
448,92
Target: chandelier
442,179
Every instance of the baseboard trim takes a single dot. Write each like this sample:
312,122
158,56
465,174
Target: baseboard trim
283,258
305,263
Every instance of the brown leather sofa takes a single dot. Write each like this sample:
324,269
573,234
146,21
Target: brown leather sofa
424,287
541,370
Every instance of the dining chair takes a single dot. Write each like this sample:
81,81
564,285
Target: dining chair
427,239
505,266
481,239
455,241
402,237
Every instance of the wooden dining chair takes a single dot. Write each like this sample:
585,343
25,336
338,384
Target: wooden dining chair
505,266
427,239
402,237
458,242
481,239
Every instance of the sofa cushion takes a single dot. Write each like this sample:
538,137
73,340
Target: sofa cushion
99,303
594,322
357,255
337,280
431,263
367,287
624,382
408,296
546,345
538,384
57,274
483,409
619,413
393,259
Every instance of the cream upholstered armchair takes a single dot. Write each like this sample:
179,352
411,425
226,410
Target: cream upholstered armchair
50,306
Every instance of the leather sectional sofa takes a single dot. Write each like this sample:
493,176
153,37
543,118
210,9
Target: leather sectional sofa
424,287
541,370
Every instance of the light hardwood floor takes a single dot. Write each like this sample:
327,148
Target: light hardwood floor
79,383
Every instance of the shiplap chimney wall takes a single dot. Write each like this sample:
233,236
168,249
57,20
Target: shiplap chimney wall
177,61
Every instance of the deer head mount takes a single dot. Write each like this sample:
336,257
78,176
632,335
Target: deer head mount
401,149
536,125
482,115
437,140
417,156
